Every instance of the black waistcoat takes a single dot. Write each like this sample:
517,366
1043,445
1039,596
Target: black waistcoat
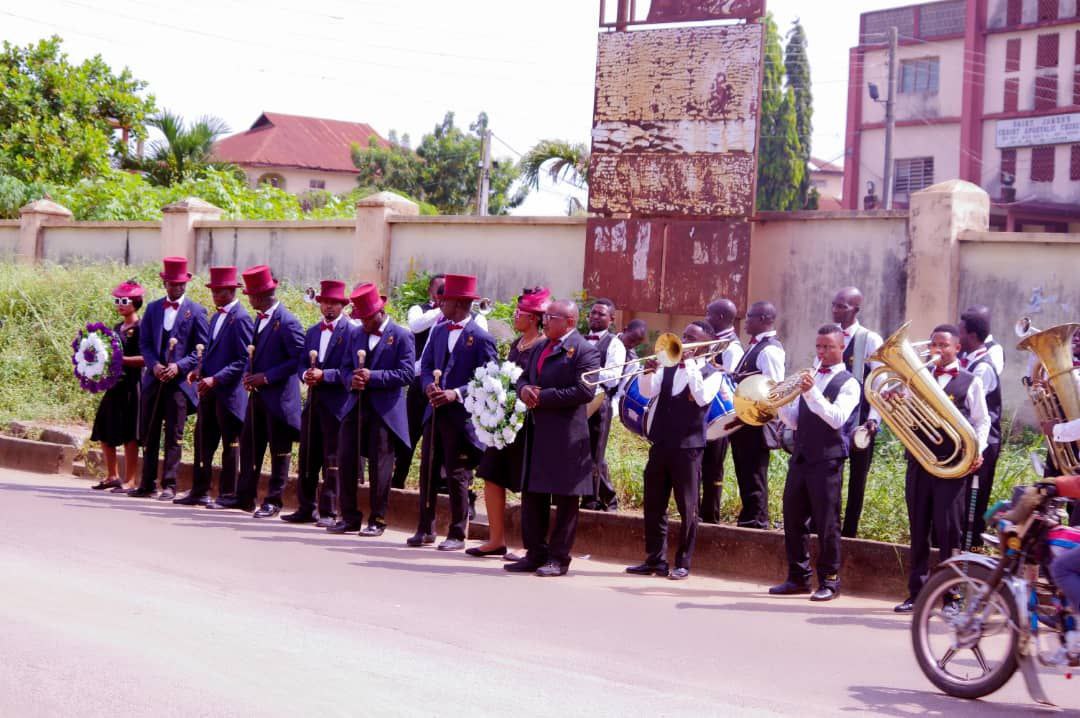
678,421
814,439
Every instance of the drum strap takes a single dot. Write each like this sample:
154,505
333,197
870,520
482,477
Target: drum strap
858,366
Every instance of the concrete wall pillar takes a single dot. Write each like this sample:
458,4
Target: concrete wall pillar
178,226
938,215
33,218
371,250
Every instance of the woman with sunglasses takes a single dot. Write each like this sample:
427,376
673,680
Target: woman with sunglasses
116,422
501,468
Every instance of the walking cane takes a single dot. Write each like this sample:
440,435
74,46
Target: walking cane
198,409
313,357
429,449
361,357
161,387
248,418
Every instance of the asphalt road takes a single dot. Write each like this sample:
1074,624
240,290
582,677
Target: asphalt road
117,606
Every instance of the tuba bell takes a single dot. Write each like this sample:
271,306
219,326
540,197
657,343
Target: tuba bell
1051,386
923,418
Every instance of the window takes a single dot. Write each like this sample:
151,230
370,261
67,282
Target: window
1012,93
1042,163
1012,55
913,175
1074,162
919,76
273,179
1046,92
1046,52
1048,9
1008,164
317,184
1076,87
1014,13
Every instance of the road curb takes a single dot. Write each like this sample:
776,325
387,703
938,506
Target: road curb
40,457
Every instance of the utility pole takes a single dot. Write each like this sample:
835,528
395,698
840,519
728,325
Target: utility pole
485,173
890,122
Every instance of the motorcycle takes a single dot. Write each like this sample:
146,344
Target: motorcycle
980,618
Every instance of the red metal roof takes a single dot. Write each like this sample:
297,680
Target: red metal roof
817,165
277,140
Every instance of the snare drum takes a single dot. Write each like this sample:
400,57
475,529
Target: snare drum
719,421
635,410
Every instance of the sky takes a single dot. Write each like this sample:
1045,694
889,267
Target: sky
398,65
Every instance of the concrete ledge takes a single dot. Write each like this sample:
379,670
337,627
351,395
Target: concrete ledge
38,456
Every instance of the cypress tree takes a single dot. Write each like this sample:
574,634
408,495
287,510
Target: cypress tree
780,170
797,66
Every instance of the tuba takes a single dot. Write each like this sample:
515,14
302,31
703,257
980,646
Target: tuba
1051,386
925,420
758,398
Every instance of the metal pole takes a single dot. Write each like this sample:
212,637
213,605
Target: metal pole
485,173
890,122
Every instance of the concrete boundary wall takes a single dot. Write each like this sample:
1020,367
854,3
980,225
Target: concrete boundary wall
124,242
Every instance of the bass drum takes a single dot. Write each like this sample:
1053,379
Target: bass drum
635,411
720,420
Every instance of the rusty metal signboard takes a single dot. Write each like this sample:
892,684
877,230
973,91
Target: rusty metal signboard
694,10
675,122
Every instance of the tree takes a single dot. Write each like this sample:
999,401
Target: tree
797,67
58,120
183,151
780,173
443,171
563,161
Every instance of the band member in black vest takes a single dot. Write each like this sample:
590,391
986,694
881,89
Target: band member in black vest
222,399
167,398
749,450
273,417
823,420
677,432
633,336
421,318
720,315
375,416
995,351
612,354
558,462
456,347
973,332
322,413
860,344
936,505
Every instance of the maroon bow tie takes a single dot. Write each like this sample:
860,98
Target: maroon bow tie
753,341
824,370
327,327
222,310
456,327
964,362
946,372
172,305
263,316
375,333
593,338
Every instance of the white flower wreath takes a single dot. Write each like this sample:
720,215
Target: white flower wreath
496,413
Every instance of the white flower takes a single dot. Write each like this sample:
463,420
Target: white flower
499,443
483,436
508,434
515,373
92,356
519,407
492,384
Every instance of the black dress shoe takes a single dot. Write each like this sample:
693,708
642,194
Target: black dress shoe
372,531
825,593
552,569
593,506
906,607
167,494
190,499
344,527
325,522
648,569
521,566
680,574
479,553
119,490
107,484
231,502
789,588
451,544
299,517
420,540
141,493
266,511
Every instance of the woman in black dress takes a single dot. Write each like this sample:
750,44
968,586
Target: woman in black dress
116,422
501,468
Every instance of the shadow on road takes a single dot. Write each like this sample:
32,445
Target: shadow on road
902,702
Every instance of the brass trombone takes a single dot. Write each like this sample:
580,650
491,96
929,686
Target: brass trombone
669,350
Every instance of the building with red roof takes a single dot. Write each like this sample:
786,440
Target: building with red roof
298,154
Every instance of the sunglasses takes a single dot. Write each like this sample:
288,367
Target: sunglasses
122,301
549,317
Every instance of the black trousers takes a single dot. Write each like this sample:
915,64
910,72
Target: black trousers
982,494
712,480
378,447
451,451
751,458
171,410
215,424
535,523
934,505
812,491
415,403
858,469
604,497
318,451
671,469
263,429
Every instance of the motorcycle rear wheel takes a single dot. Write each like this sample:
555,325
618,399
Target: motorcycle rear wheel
942,619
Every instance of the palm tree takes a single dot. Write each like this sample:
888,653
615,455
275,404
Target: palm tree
182,150
563,161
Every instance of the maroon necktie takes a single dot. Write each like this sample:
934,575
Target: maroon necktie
548,350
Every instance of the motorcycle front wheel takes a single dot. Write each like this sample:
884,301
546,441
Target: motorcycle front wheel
964,653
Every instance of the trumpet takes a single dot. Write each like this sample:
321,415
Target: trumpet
483,307
669,350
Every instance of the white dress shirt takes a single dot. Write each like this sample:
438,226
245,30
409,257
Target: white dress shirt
997,355
984,370
978,415
701,388
170,314
873,343
730,357
452,337
616,354
220,320
324,337
373,339
833,413
263,322
770,360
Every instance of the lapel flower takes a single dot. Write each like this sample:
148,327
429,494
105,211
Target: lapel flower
390,340
469,340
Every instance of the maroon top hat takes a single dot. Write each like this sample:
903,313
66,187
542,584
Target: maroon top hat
258,280
535,302
366,301
223,278
460,286
175,270
128,289
332,290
